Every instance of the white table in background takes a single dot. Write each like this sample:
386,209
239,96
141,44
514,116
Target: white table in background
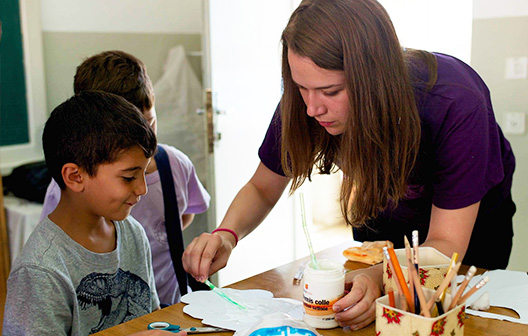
22,217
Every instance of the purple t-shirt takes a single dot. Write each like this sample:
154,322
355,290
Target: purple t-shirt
149,211
464,158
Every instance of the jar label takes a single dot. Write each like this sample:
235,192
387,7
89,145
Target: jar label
318,298
319,307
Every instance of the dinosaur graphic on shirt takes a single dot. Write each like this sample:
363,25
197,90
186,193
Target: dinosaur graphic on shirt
120,297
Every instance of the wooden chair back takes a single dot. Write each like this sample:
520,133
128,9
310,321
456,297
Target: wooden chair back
5,263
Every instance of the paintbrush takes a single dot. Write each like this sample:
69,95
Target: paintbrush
390,265
307,235
399,277
452,272
412,289
440,300
223,295
419,292
473,290
392,302
470,273
416,246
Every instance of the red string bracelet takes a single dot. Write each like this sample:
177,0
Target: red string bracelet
227,230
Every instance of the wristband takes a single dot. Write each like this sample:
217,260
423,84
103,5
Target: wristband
227,230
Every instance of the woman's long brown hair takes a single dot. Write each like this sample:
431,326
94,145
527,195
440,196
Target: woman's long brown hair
378,149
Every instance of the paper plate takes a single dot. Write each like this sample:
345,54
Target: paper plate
216,311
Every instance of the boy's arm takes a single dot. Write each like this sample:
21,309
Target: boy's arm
36,304
187,220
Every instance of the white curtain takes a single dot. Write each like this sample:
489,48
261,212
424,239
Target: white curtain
178,95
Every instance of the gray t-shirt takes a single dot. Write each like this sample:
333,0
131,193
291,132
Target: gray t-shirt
57,287
150,212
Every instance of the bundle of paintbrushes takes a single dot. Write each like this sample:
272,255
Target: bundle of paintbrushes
410,295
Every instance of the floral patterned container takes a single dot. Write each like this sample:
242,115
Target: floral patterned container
396,322
433,268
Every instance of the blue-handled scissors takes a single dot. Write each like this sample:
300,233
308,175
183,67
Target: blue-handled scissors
176,328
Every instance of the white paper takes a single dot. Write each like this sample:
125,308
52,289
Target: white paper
215,311
507,289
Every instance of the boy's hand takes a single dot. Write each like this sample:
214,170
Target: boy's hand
357,309
207,254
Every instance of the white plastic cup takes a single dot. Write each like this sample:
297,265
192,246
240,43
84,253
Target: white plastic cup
322,287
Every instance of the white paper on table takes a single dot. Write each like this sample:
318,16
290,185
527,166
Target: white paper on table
508,289
216,311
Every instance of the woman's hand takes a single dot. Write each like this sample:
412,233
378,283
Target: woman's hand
357,309
207,254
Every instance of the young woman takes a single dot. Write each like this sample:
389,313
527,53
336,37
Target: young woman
413,132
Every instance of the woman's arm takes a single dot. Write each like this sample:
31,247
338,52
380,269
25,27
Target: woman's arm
208,253
254,201
450,230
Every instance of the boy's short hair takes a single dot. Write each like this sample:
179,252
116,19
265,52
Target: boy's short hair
117,72
93,128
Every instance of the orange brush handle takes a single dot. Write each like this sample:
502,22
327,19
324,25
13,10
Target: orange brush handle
392,302
400,277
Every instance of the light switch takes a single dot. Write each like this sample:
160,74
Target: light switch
515,123
516,67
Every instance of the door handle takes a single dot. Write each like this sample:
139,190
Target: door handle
209,112
210,122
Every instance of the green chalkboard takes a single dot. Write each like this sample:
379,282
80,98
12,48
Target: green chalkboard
13,103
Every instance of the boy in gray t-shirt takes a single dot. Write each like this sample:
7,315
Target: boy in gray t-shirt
87,267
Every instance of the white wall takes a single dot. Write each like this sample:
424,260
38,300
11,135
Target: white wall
442,26
486,9
500,31
130,16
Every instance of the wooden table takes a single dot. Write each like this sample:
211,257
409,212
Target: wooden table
279,281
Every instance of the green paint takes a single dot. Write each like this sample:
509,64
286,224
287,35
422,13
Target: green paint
223,295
